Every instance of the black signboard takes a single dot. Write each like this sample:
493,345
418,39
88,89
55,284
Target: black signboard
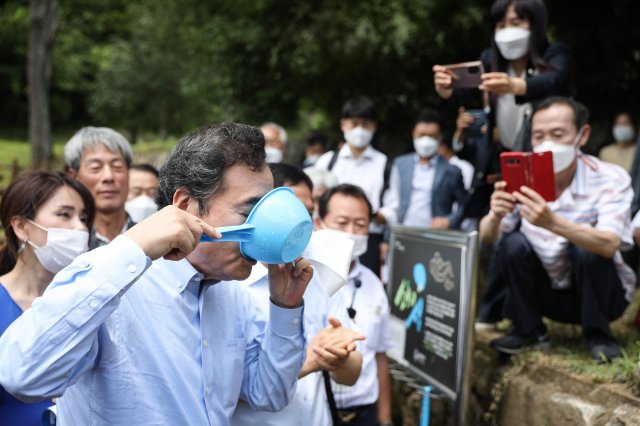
430,292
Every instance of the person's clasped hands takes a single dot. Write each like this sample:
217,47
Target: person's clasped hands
331,347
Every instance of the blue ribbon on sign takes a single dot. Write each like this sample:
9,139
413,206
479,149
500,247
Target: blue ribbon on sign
426,402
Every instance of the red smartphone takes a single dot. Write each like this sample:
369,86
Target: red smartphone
467,73
531,169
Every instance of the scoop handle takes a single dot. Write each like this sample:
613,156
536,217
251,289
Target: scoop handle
238,233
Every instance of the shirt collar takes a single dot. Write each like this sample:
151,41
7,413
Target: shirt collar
579,183
258,272
355,271
180,271
345,151
127,224
430,163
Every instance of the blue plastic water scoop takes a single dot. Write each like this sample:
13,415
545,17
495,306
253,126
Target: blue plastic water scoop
276,231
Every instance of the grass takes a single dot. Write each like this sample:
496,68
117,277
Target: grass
571,353
20,150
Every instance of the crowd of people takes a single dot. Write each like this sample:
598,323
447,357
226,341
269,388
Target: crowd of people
110,305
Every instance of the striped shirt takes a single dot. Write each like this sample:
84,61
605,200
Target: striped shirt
599,196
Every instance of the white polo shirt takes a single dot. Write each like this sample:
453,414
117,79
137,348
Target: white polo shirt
372,320
367,172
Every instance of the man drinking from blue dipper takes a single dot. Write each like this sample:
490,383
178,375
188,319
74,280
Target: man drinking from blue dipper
147,329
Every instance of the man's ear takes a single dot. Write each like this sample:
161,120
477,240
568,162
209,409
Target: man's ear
344,123
184,201
586,132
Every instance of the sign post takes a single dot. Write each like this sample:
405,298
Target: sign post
431,291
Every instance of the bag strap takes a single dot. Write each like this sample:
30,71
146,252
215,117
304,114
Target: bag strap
334,158
330,398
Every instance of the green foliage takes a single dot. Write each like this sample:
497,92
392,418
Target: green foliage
170,65
14,21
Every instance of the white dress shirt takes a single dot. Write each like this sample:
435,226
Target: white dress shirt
371,319
130,342
466,168
367,172
419,211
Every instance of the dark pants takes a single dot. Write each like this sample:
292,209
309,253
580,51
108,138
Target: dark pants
371,259
493,298
363,415
595,298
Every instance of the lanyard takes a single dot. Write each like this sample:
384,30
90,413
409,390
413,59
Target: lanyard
352,312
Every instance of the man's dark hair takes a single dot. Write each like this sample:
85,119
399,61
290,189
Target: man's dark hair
145,167
345,189
429,116
316,137
199,161
286,175
580,112
361,107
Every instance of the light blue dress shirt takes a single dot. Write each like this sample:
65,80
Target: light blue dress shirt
132,342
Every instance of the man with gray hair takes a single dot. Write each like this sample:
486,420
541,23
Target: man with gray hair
275,137
151,328
100,158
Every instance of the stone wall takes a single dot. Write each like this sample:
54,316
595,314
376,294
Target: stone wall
533,392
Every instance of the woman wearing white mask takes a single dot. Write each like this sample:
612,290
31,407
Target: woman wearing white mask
623,150
46,217
521,67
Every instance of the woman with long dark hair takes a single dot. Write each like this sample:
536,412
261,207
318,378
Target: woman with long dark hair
46,217
521,67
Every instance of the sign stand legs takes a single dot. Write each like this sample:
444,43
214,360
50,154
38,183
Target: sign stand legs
426,405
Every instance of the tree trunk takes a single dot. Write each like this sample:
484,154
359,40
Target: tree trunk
43,23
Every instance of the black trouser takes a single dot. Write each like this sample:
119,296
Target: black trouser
371,259
595,298
362,415
493,298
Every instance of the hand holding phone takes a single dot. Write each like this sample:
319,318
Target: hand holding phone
480,119
530,169
465,74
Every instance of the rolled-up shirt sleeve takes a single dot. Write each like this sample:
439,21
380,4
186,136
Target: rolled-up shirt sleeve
55,341
614,214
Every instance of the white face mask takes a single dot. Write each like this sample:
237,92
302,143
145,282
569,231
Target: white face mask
359,242
563,154
311,159
358,137
426,146
513,43
274,155
63,245
623,133
140,208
